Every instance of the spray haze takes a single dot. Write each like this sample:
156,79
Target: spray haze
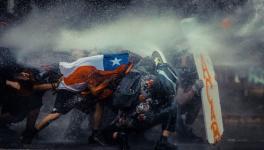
139,34
143,31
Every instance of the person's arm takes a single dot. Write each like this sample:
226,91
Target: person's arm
183,96
122,69
112,75
42,87
13,84
18,87
38,87
95,90
97,117
47,86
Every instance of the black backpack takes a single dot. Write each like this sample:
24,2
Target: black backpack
127,91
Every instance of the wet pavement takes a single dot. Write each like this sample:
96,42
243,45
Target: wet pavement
143,146
235,138
242,131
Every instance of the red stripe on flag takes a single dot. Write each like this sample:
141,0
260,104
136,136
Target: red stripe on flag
80,75
91,75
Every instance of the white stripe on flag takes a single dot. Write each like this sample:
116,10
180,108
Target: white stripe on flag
68,68
74,87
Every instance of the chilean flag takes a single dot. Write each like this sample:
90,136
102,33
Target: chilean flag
75,74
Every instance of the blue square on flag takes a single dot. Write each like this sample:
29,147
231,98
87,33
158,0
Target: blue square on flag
112,61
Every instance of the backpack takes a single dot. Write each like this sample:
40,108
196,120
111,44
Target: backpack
127,91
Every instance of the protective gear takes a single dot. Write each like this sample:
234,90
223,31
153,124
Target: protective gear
168,76
128,91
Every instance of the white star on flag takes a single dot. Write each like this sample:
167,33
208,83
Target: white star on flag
116,61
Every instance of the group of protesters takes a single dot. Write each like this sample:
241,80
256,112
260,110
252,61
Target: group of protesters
141,92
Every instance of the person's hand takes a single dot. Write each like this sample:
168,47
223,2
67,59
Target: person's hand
13,84
198,85
105,94
141,117
56,84
147,116
23,76
85,93
115,76
141,98
150,83
60,79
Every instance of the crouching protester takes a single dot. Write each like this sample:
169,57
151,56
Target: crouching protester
144,101
188,98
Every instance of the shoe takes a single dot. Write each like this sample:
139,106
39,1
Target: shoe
96,138
163,144
122,140
28,135
190,136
